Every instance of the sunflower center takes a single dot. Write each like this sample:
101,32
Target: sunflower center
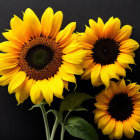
105,51
40,58
120,107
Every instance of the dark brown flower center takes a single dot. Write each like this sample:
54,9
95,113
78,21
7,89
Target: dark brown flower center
121,107
40,58
105,51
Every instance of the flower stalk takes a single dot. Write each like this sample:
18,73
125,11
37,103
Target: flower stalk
47,130
54,129
62,132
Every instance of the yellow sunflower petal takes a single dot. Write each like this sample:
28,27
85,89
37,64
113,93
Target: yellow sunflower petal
102,106
103,121
102,97
113,87
136,101
100,26
72,68
126,66
72,38
95,74
134,90
46,91
136,105
134,124
90,36
23,91
136,117
47,22
8,60
87,63
86,45
87,73
66,76
7,77
128,130
56,85
35,93
74,57
98,114
119,69
88,54
93,25
122,86
131,53
112,28
128,45
7,56
7,65
56,23
136,97
125,58
111,90
111,69
15,22
118,129
9,47
7,71
109,127
66,84
124,33
72,47
136,112
130,86
105,76
11,37
18,29
112,134
127,51
16,81
97,27
32,23
98,82
64,34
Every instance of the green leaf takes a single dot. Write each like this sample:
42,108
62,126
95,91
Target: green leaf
57,114
80,128
73,101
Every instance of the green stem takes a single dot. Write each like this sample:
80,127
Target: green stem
63,128
47,130
54,129
62,132
66,116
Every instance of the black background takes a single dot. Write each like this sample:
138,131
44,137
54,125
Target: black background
17,122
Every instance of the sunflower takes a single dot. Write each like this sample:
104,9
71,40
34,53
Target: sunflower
109,51
118,110
39,60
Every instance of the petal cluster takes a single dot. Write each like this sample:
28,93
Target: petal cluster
100,31
20,35
109,124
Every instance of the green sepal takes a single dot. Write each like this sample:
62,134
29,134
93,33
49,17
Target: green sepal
38,105
80,109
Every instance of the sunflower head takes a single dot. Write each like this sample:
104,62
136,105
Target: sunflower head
38,58
109,50
118,110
